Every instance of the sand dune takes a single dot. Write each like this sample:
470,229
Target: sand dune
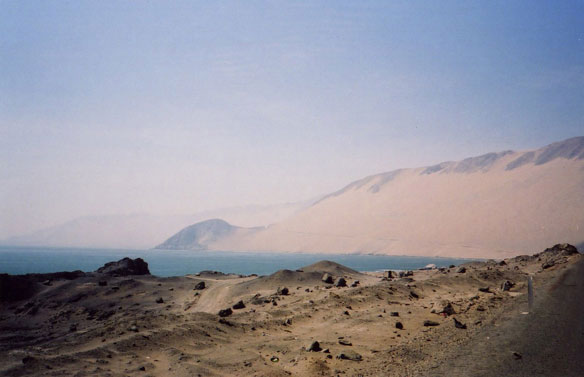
496,205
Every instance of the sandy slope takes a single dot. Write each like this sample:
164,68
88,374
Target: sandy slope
495,207
81,328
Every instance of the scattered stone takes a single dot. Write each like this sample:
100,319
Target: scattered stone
345,342
459,325
430,323
399,326
142,369
461,270
507,285
355,283
349,355
327,278
314,347
340,282
517,356
282,291
159,300
326,350
274,359
225,312
444,307
239,305
200,286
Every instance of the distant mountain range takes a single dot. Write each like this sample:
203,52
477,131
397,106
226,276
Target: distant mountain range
142,231
495,205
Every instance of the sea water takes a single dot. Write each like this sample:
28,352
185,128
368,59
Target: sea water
23,260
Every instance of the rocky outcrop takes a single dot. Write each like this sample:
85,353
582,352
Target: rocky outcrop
125,267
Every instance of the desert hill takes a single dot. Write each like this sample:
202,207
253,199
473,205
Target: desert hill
495,205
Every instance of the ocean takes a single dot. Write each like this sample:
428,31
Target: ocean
23,260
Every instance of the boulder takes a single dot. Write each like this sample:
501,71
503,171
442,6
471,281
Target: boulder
282,291
428,323
125,267
507,285
461,270
389,274
563,248
349,355
327,278
459,325
200,286
399,326
225,312
239,305
340,282
314,347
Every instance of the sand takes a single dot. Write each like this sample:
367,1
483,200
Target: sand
83,328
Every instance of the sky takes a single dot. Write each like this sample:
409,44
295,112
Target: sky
173,107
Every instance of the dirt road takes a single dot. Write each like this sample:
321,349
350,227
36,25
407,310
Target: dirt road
549,341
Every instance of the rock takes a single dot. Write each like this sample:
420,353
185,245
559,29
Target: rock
563,248
414,295
485,290
133,328
327,278
73,327
200,286
507,285
47,283
349,355
225,312
340,282
394,314
548,264
355,283
159,300
282,291
28,359
239,305
102,283
502,263
517,356
428,323
451,266
461,270
444,307
399,325
345,342
326,350
389,274
459,325
125,267
314,347
142,369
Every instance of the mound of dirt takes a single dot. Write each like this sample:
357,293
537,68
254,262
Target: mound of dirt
332,268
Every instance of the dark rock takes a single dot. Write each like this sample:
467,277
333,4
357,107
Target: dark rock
389,274
314,347
159,300
451,266
125,267
548,264
142,369
563,248
239,305
394,314
414,294
327,278
444,307
282,291
461,270
459,325
502,263
430,323
345,342
507,285
200,286
47,283
102,283
355,283
73,327
225,312
349,355
340,282
517,356
399,325
485,290
28,359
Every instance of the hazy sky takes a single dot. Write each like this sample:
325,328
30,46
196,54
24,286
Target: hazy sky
117,107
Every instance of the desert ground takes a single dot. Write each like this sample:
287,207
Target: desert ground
467,320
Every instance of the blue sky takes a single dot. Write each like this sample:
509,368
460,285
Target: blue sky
178,106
